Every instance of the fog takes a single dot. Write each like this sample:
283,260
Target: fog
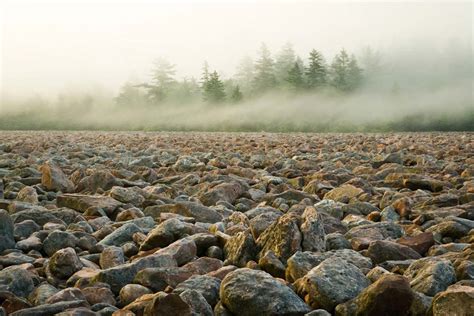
63,63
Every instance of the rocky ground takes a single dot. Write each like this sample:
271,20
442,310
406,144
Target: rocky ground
236,224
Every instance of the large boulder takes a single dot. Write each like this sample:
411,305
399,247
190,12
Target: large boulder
207,286
54,179
121,235
456,300
312,230
98,180
384,250
81,202
199,212
391,295
302,262
282,237
57,240
251,292
127,195
167,232
430,275
7,239
332,282
16,280
226,192
240,249
64,263
344,193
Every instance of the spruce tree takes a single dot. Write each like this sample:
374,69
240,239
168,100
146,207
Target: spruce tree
236,95
214,89
162,80
295,77
264,79
354,74
285,61
316,73
340,71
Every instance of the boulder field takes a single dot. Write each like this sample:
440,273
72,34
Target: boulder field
134,223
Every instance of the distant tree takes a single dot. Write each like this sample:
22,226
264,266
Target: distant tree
340,71
354,74
162,80
346,73
395,89
284,63
205,74
130,95
264,79
184,91
214,89
316,73
236,95
244,75
295,77
371,60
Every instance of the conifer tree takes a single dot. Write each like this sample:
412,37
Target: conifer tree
236,95
284,62
295,77
316,73
214,89
264,79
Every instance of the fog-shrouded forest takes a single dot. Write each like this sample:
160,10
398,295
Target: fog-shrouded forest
413,86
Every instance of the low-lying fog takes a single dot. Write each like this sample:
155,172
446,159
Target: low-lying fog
68,65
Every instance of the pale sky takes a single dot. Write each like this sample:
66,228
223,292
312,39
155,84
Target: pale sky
51,46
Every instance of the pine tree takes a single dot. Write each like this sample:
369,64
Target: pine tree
340,71
244,74
295,77
354,74
205,75
371,60
316,73
264,79
162,80
214,89
285,61
130,95
236,95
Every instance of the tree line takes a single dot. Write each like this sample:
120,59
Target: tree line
286,71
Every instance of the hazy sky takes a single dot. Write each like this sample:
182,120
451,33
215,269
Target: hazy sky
50,46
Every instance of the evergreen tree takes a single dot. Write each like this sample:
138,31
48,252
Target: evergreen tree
285,61
130,95
162,80
214,89
346,73
354,74
244,74
236,95
371,60
264,79
340,71
205,74
316,73
295,77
